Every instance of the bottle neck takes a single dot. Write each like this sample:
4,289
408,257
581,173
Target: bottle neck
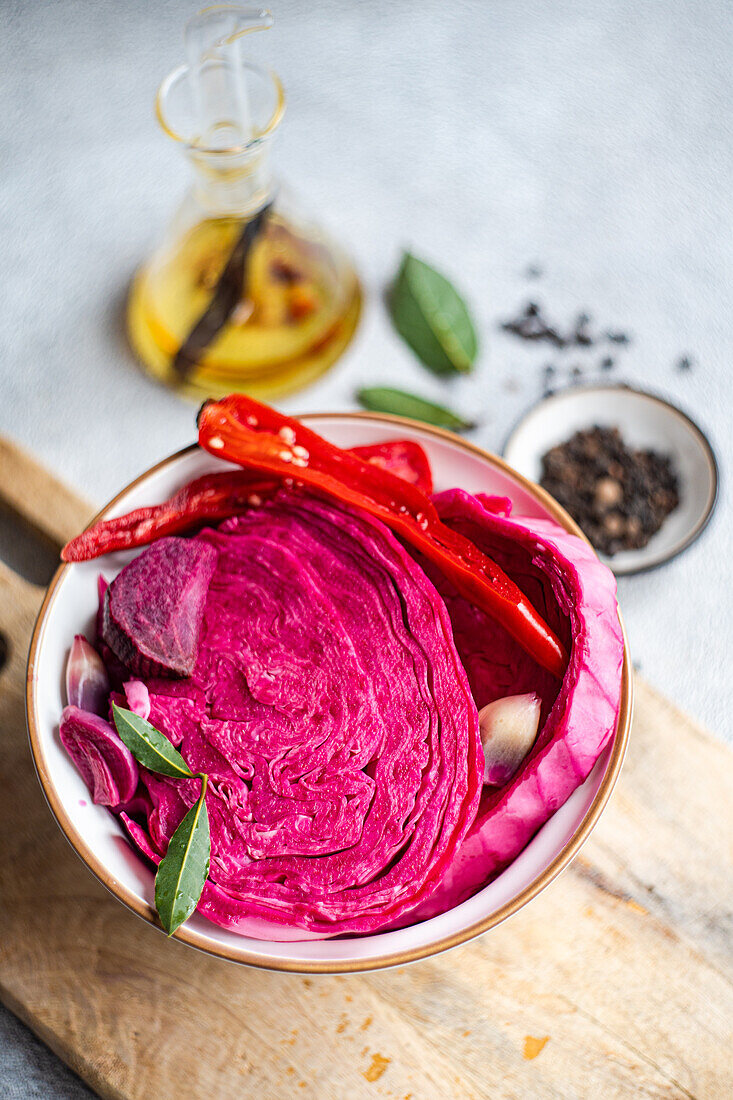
234,184
230,155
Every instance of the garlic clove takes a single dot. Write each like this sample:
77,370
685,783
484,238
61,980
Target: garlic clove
508,728
138,698
87,682
106,764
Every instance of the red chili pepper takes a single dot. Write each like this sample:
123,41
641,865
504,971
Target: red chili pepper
207,499
241,430
402,457
216,496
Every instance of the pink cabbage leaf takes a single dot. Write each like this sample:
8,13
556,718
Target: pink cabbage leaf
576,594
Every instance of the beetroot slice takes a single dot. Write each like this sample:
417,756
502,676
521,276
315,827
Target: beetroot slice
154,608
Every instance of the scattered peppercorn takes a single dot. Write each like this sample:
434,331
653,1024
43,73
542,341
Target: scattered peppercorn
684,363
531,325
548,374
607,363
534,271
619,496
581,335
576,373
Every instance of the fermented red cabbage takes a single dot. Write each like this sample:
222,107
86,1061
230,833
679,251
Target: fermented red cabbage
576,595
331,712
332,694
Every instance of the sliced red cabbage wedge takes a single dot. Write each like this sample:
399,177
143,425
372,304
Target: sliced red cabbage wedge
577,596
332,714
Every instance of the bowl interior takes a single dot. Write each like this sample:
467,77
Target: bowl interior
646,421
70,608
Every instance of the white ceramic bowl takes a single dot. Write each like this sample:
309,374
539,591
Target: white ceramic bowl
646,421
70,608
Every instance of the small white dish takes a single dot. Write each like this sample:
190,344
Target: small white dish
70,608
645,421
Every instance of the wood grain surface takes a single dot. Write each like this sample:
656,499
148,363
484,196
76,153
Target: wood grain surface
615,982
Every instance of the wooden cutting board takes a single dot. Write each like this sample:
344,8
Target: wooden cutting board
615,982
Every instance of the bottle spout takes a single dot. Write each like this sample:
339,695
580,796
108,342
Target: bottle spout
218,76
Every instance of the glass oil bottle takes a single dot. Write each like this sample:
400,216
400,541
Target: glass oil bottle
244,292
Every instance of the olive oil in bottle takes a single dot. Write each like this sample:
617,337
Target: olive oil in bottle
244,292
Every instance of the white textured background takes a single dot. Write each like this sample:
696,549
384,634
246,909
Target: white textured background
590,138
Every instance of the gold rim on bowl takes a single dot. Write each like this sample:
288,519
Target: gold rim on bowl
396,958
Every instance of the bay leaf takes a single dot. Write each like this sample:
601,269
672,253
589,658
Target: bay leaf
148,745
430,315
399,403
183,870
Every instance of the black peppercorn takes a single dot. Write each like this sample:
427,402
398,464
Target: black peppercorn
619,496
